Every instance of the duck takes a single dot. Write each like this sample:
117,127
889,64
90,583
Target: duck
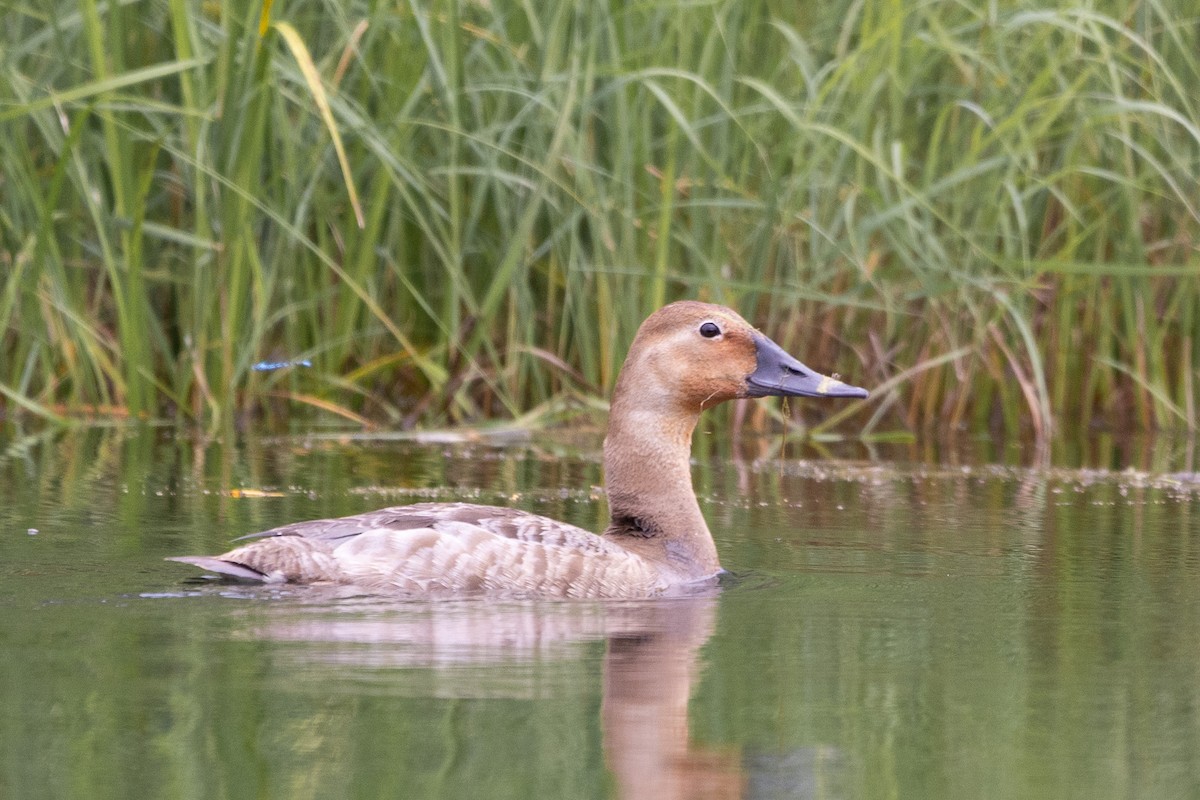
685,358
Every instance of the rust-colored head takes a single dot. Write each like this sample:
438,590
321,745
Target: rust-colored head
689,356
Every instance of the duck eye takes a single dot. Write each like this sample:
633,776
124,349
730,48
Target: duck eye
709,329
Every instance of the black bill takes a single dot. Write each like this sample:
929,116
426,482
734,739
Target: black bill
778,374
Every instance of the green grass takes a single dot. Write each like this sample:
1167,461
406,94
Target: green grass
461,211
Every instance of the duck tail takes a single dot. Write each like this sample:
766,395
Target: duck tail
227,569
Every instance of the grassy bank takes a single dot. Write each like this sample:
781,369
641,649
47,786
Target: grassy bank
461,211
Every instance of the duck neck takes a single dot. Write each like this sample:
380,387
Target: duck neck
647,464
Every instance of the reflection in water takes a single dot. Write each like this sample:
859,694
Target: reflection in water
650,668
648,679
932,630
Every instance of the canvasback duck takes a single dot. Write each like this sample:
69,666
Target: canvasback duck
686,357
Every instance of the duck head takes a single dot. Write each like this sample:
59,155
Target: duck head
693,355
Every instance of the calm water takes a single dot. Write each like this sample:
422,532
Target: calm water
893,630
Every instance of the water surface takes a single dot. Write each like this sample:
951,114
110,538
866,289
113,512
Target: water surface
893,628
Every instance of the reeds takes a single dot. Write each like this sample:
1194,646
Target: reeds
460,211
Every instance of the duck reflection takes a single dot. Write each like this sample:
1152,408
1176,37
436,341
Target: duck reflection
651,664
648,680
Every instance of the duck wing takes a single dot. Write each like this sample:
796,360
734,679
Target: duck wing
508,523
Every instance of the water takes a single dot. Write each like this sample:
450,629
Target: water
892,629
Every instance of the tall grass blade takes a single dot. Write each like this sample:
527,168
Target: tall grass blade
317,88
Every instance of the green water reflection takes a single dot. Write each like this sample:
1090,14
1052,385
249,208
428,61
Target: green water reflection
893,629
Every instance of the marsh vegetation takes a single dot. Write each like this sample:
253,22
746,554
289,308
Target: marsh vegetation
460,211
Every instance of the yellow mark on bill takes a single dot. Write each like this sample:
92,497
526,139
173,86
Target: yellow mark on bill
826,384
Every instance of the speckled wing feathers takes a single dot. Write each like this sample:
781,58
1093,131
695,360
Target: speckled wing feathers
510,523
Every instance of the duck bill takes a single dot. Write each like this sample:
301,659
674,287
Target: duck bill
778,374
